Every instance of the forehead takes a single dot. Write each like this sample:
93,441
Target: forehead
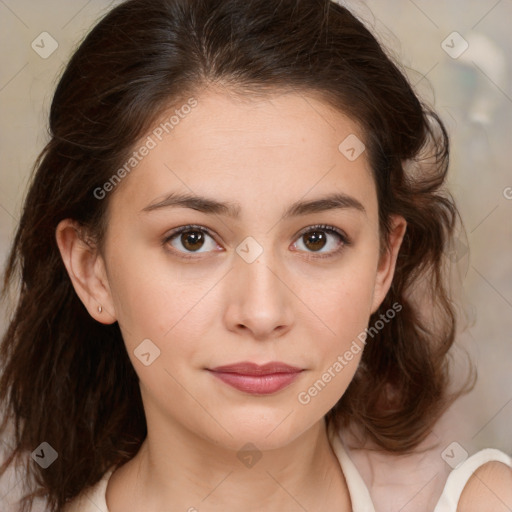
242,149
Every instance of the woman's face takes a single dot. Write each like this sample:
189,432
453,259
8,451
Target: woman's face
254,280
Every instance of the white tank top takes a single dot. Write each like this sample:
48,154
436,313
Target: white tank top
449,499
93,499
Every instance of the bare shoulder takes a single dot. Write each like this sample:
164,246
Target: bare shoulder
488,490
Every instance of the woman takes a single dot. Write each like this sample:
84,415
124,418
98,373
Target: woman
232,252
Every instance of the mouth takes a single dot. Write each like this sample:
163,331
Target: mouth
257,379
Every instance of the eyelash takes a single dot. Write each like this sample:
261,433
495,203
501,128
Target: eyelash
345,241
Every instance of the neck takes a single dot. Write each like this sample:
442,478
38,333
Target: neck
186,472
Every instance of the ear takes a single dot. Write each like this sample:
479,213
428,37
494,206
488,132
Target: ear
86,270
387,261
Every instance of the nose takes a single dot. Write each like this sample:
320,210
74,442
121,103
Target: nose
259,301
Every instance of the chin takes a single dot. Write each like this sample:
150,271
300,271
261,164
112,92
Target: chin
265,431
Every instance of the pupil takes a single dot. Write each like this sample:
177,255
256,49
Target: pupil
317,238
192,239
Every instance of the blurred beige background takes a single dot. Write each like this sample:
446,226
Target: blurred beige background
457,55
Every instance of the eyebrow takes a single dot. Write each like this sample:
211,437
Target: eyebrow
206,205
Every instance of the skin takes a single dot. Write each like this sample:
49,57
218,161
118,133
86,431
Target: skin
414,482
288,305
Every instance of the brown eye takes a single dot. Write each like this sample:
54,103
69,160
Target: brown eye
189,240
315,240
192,240
319,237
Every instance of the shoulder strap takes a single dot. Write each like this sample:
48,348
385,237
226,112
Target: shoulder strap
359,493
92,499
459,477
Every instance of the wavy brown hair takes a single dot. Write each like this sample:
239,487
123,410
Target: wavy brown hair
67,379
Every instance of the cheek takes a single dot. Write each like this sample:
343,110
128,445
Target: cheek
153,300
346,316
344,309
342,303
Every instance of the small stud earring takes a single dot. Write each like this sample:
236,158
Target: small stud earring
100,309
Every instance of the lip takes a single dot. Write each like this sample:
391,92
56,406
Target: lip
257,379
